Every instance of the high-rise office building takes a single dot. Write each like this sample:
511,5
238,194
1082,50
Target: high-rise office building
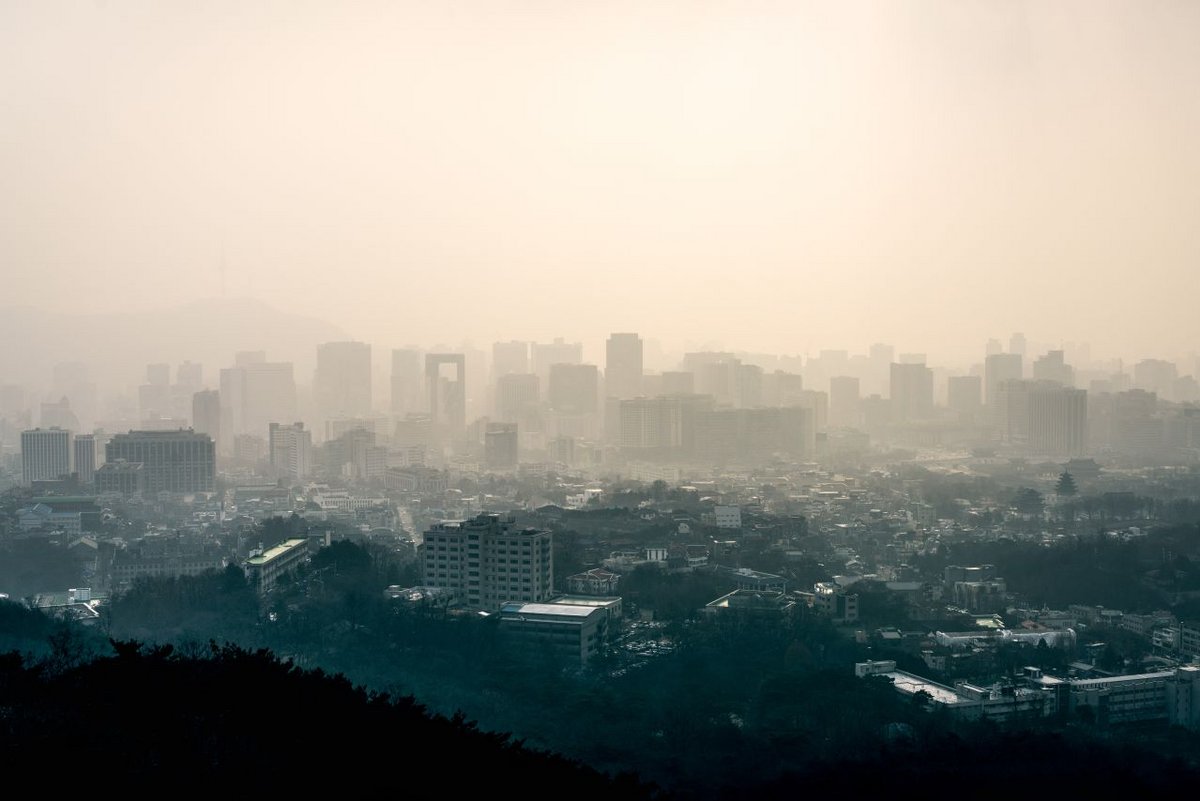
45,454
998,368
1053,367
787,389
290,450
965,397
517,397
650,424
911,392
342,382
501,446
1156,375
716,374
85,458
58,414
623,366
268,389
559,351
816,402
844,411
447,394
574,388
154,397
488,561
407,380
678,382
1058,421
206,413
173,461
254,394
748,391
1011,411
1017,344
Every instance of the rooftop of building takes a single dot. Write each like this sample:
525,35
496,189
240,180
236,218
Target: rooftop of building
548,609
585,600
908,683
1127,678
276,552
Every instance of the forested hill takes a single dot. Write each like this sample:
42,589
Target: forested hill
238,721
230,720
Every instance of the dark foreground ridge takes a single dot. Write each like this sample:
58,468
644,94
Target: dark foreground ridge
229,719
239,720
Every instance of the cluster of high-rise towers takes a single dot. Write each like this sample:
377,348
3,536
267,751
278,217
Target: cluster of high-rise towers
542,402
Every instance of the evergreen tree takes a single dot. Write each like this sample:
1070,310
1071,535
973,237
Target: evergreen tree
1066,485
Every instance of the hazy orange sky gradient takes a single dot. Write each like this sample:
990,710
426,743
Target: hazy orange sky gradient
776,176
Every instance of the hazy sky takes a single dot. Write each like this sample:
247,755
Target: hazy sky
778,176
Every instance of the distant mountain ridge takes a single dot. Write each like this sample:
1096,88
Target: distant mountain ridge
117,346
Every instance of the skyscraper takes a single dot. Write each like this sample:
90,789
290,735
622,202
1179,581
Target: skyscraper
998,368
290,450
45,454
342,382
1053,367
1058,421
173,461
501,446
965,397
911,392
85,458
447,395
253,395
559,351
844,396
574,388
406,382
516,397
623,366
206,413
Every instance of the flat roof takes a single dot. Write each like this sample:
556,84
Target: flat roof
1129,677
278,550
908,683
581,600
558,610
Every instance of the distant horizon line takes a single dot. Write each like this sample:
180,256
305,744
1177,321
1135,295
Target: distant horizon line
593,341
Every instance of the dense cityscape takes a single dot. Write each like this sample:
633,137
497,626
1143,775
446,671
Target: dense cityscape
646,399
1014,544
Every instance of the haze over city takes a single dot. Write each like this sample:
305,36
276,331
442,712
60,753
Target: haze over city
778,177
639,399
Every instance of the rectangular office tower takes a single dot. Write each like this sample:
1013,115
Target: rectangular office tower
85,458
998,368
844,402
487,561
45,454
407,381
623,366
172,461
965,397
911,392
342,382
290,450
1058,421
